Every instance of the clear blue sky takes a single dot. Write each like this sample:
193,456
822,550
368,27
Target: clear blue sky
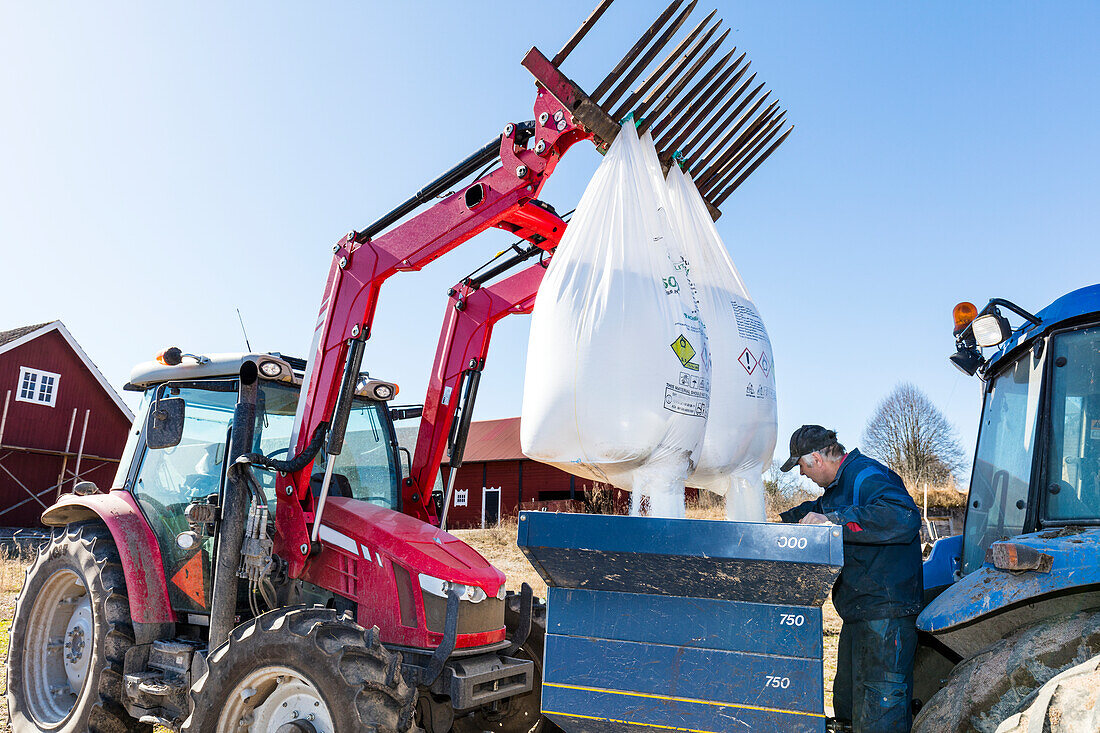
161,166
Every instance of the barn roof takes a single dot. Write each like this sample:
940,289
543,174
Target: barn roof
18,336
18,333
494,440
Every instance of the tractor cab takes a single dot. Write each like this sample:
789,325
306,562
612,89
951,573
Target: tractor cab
1033,511
175,457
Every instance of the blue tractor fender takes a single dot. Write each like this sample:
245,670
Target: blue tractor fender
943,563
959,616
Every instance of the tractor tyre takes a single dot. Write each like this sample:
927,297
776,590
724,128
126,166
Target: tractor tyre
523,713
1000,680
69,636
1069,703
302,670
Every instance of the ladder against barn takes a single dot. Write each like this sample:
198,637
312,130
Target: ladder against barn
61,422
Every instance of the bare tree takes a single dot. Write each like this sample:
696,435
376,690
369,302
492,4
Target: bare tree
910,435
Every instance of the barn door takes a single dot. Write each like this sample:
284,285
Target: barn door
490,506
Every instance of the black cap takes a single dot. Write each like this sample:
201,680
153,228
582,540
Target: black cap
806,440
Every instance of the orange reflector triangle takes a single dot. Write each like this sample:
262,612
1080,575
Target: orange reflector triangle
189,579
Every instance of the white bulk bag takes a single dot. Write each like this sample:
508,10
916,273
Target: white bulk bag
741,428
618,372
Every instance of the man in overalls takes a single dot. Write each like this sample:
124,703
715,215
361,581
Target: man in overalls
880,589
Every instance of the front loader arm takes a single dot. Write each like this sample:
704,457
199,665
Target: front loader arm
361,264
701,113
459,359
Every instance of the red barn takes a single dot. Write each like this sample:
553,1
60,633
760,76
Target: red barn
496,478
61,421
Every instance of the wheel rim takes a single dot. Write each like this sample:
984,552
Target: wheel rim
57,651
275,700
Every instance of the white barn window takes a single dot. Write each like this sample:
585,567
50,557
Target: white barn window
461,497
37,386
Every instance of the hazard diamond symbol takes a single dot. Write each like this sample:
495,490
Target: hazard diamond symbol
684,352
765,364
189,579
748,361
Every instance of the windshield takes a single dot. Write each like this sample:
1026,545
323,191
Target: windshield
1003,460
364,469
1073,459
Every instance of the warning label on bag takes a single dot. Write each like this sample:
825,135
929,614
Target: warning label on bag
685,352
763,392
685,400
749,325
1094,431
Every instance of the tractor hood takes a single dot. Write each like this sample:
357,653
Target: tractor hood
369,531
989,602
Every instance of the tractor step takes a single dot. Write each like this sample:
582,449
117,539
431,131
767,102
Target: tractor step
157,678
679,624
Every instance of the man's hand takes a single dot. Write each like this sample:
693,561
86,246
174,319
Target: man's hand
814,518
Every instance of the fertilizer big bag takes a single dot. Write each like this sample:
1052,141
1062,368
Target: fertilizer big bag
618,371
742,423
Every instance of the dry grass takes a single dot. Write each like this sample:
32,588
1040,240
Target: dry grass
498,546
947,497
12,571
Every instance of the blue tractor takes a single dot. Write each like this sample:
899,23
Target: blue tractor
1015,600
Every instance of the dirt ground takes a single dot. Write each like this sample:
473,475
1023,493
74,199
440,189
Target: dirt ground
497,545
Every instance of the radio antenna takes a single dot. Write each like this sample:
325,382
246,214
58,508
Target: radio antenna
244,331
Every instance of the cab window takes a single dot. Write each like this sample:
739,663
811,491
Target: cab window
1002,463
1072,483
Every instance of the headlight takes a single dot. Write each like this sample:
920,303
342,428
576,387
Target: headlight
990,329
441,588
271,369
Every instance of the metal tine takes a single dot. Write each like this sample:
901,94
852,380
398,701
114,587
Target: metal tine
708,104
696,97
658,46
744,142
673,72
704,149
657,73
741,179
738,143
745,154
673,93
736,101
635,50
715,164
581,32
719,174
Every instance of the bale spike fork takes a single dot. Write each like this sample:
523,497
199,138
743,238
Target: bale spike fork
695,109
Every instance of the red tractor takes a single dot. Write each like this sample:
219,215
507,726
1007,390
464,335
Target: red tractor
265,561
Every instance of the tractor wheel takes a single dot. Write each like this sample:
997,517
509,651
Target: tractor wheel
301,670
521,714
1069,703
999,681
69,635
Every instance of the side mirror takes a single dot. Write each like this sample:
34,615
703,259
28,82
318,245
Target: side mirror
406,412
164,428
